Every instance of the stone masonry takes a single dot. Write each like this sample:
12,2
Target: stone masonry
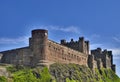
42,51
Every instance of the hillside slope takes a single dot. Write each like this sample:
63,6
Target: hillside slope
59,73
77,73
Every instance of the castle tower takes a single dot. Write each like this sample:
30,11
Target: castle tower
114,68
87,47
81,44
99,63
38,46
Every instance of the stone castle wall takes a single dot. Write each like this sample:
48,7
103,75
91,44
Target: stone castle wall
103,58
62,54
81,45
19,56
42,51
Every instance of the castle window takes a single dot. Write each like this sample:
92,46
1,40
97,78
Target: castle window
74,56
65,58
56,48
71,55
45,34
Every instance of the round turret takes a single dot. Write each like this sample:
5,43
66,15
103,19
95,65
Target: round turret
38,45
39,32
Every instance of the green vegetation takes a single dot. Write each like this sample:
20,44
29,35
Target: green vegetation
3,79
29,75
59,73
78,73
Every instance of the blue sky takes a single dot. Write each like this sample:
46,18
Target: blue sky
97,20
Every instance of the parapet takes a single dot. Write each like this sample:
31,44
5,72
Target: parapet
63,41
96,51
110,53
72,40
81,45
114,68
81,38
87,43
105,51
38,31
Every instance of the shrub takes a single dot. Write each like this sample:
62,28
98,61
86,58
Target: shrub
3,79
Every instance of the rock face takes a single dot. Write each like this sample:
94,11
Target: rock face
3,72
78,73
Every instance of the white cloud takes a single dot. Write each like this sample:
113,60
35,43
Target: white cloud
93,38
94,46
24,39
116,51
66,29
116,57
72,29
117,39
13,40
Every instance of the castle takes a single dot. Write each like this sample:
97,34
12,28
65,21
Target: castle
42,51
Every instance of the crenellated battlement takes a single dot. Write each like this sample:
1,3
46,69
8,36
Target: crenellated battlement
39,32
42,51
105,56
81,45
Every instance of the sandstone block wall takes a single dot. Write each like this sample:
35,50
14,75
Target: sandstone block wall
63,54
103,58
81,45
19,56
42,51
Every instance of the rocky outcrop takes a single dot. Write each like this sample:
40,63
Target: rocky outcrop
58,73
78,73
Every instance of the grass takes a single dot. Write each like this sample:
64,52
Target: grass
59,73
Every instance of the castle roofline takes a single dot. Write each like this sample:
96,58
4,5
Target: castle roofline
14,49
39,30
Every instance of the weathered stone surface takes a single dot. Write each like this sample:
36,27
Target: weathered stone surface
42,51
4,72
